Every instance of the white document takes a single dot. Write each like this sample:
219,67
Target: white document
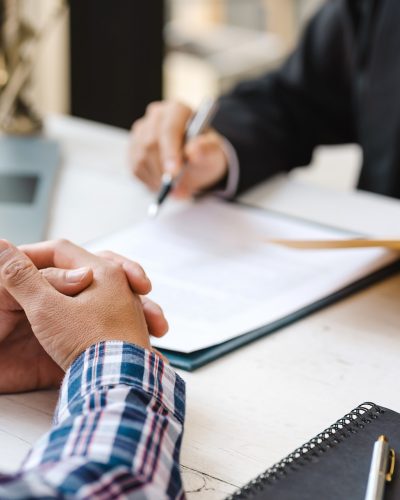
216,278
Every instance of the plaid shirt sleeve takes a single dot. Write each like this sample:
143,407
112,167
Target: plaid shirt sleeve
117,431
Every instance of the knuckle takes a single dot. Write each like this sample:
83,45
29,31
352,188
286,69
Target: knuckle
214,136
62,242
181,109
114,267
55,277
202,141
154,107
137,126
204,144
17,271
115,272
47,273
150,145
191,150
173,131
177,105
200,147
139,165
105,254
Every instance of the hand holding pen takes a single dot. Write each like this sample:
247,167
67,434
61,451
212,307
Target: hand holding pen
196,126
159,145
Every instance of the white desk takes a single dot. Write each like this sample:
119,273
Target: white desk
252,407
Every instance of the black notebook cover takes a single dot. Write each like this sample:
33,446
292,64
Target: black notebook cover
335,464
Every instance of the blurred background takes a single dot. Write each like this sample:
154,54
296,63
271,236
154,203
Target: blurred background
107,60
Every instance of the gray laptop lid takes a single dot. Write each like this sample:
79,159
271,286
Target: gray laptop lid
28,168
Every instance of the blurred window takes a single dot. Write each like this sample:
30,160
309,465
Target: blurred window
213,44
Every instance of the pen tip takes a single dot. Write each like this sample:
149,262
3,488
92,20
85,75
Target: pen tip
153,210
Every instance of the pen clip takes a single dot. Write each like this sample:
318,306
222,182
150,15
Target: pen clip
392,458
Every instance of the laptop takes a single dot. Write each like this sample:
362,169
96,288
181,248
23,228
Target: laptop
28,168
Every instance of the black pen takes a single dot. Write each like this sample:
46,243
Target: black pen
196,126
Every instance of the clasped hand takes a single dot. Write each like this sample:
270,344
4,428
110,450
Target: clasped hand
57,299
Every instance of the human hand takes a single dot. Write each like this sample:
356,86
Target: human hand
25,365
157,146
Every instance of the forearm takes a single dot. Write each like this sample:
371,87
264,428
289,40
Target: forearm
274,122
117,431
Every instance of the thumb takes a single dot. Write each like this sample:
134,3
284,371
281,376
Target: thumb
206,165
22,280
68,282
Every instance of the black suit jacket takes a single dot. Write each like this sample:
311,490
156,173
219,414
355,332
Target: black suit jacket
341,85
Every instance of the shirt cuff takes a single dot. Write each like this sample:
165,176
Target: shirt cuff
232,180
114,363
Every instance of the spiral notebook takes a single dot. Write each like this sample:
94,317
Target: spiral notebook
335,464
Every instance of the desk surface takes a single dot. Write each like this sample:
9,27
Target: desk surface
249,409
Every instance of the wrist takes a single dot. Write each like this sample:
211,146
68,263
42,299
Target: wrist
114,363
139,339
50,375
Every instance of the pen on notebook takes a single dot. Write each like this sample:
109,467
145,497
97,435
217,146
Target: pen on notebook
196,126
378,473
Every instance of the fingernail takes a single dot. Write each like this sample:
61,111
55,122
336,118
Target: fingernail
76,275
170,166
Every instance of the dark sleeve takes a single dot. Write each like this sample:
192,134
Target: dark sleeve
274,122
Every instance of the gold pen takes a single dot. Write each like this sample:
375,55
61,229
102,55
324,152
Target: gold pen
378,473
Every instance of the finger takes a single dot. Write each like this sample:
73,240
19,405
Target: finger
192,179
142,173
138,280
148,170
206,164
20,277
65,255
155,319
59,253
145,154
155,169
69,282
172,136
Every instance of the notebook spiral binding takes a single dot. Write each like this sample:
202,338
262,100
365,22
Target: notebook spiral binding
351,423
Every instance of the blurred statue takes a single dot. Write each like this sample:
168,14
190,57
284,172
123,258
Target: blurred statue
19,45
